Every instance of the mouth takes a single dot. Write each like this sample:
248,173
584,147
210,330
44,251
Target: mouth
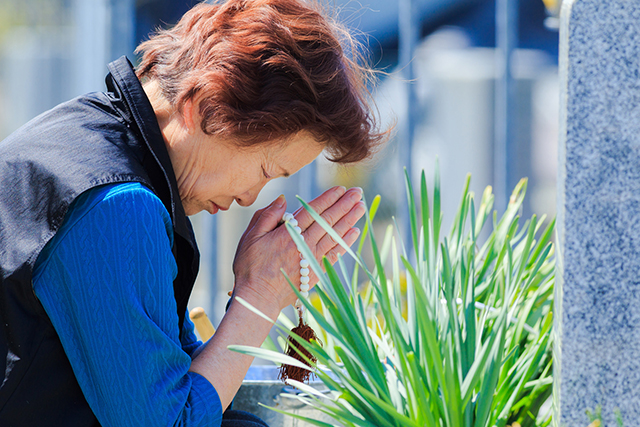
215,208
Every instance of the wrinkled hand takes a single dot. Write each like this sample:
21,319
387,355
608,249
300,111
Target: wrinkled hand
266,246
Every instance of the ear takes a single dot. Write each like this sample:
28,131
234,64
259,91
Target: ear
190,115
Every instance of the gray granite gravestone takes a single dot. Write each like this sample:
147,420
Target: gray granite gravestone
597,348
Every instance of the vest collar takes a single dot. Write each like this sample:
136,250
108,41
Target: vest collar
137,108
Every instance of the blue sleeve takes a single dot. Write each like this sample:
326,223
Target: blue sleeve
188,338
106,282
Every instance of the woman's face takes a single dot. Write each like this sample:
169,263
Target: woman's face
213,172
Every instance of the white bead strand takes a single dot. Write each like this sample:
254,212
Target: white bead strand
304,264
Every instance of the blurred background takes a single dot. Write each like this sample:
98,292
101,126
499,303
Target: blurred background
473,83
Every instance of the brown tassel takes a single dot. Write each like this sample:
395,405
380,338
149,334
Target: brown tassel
305,332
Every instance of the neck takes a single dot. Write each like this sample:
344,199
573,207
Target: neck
162,108
174,128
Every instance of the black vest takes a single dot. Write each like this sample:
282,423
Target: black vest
93,140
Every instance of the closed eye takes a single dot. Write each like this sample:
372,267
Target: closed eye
264,172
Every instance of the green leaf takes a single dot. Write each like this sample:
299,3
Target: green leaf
424,198
413,214
273,356
437,215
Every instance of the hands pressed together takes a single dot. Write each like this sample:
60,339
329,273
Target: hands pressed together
264,249
266,246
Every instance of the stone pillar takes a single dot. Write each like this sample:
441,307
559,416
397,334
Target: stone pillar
597,314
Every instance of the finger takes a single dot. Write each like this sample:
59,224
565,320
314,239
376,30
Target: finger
342,207
319,204
349,238
252,223
271,216
255,218
342,227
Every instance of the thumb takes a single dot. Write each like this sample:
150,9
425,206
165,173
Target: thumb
272,215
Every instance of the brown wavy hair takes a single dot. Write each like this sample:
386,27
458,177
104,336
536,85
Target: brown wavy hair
264,70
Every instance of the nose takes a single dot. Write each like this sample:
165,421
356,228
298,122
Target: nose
248,197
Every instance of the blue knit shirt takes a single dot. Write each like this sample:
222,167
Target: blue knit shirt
106,282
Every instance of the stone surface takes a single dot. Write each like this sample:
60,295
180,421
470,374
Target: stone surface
597,348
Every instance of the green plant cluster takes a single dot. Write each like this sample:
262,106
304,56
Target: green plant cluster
455,333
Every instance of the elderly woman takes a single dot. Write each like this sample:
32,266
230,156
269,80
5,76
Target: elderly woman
97,254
